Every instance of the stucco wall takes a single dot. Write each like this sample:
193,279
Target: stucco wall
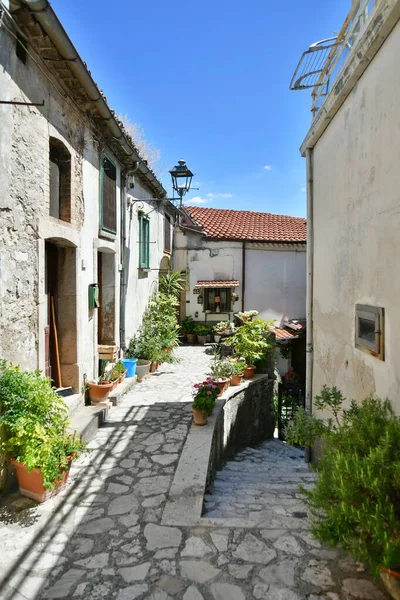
275,279
356,224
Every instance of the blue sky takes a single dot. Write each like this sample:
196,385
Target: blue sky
208,81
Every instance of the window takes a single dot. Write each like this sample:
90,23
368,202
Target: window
167,233
60,180
20,49
108,196
217,297
144,241
369,334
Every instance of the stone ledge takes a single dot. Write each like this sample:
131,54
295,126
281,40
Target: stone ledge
207,447
121,390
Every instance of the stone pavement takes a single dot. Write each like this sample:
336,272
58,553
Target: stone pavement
102,538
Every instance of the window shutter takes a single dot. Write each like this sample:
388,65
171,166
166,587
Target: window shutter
109,196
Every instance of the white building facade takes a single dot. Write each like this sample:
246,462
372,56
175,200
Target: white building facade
352,151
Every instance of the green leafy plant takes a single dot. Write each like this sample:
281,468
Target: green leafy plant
356,500
172,284
252,340
221,369
201,330
35,419
188,324
117,371
238,367
205,394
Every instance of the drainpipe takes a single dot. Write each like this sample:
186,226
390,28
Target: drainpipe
46,17
124,272
310,275
243,273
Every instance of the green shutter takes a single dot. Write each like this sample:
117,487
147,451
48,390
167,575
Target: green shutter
144,241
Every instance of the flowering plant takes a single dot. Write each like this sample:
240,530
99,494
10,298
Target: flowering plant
223,326
205,394
247,314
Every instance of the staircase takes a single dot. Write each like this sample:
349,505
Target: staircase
261,486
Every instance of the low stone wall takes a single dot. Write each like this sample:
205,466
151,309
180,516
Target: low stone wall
244,416
245,419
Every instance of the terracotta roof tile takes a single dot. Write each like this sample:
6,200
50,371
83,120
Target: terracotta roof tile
227,224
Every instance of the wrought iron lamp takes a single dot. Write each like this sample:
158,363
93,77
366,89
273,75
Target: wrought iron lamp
181,177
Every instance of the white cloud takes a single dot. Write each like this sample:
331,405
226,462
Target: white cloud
303,189
197,200
268,168
214,196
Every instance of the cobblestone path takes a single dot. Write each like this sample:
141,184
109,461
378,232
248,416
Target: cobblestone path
103,538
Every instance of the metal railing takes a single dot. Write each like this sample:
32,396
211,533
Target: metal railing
320,65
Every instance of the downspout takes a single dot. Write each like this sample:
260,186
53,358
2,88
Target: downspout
310,276
122,284
243,273
124,271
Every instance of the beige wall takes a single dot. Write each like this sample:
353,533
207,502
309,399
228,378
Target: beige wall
357,231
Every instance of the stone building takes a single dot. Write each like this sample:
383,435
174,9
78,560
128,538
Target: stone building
80,210
352,151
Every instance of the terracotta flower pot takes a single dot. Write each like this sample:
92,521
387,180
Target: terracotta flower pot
202,339
249,372
199,417
121,379
391,581
142,369
99,391
191,338
223,384
31,483
236,379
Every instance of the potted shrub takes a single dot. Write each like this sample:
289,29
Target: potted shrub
221,370
238,367
250,342
205,395
222,328
34,419
355,503
202,332
188,326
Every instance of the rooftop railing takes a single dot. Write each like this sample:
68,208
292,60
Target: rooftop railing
320,65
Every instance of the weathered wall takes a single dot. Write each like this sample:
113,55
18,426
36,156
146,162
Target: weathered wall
275,279
246,419
357,242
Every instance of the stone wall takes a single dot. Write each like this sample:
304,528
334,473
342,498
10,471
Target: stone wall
245,419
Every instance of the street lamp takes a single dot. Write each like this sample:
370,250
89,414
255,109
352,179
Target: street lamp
181,177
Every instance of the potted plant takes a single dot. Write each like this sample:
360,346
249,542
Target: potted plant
355,502
247,315
34,419
238,367
100,388
222,328
205,395
202,332
188,326
221,370
250,342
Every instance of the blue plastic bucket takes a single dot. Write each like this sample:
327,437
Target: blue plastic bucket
130,366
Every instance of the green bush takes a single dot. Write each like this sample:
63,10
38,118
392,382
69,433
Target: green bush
35,419
251,340
201,330
188,324
356,500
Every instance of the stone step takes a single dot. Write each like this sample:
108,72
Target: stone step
74,402
87,420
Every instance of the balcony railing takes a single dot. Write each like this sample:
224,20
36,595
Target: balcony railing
320,65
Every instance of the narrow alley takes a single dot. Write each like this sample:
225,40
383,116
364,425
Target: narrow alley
103,538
